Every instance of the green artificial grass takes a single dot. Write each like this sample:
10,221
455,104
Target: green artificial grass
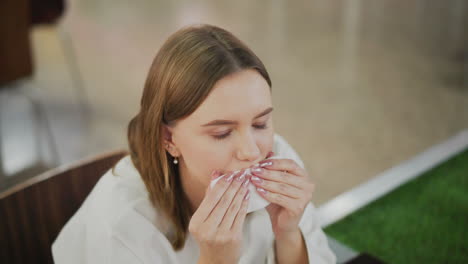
423,221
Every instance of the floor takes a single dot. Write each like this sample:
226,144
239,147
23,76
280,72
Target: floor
358,86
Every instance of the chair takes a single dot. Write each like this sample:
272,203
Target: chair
17,19
33,213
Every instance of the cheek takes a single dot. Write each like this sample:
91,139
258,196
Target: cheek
202,157
265,142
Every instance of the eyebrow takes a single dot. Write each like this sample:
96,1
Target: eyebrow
219,122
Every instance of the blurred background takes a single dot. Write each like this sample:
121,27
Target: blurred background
358,86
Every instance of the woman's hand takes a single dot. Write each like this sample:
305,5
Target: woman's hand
286,185
217,223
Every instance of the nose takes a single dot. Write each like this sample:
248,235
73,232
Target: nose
247,149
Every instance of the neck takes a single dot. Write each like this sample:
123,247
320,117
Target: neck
193,189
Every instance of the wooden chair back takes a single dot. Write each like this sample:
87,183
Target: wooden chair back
33,212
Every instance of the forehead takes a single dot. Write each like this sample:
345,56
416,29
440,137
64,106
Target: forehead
241,94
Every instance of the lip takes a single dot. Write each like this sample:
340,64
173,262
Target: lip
224,172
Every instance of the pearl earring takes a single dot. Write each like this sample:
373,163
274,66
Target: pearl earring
176,161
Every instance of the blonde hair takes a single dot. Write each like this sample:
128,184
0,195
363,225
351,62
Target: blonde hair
181,76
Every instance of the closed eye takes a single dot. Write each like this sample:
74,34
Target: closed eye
225,135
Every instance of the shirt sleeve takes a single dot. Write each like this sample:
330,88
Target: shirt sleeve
316,242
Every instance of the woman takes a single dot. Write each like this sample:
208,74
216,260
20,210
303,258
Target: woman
206,111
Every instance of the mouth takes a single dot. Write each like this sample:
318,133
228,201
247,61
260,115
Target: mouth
224,172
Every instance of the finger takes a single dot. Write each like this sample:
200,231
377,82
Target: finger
287,165
228,219
240,217
221,207
279,176
214,175
291,204
212,197
278,187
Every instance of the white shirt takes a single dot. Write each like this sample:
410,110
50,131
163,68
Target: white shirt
117,224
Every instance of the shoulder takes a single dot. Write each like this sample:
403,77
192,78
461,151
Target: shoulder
122,195
116,212
118,190
283,149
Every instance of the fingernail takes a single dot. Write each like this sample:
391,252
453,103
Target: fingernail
229,179
257,170
246,183
270,154
242,176
247,196
266,164
261,190
214,174
256,179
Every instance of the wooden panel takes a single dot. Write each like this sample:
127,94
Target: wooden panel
33,213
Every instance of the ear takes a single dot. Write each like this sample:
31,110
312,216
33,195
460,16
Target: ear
168,143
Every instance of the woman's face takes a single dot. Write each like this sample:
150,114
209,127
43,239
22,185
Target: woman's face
232,129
